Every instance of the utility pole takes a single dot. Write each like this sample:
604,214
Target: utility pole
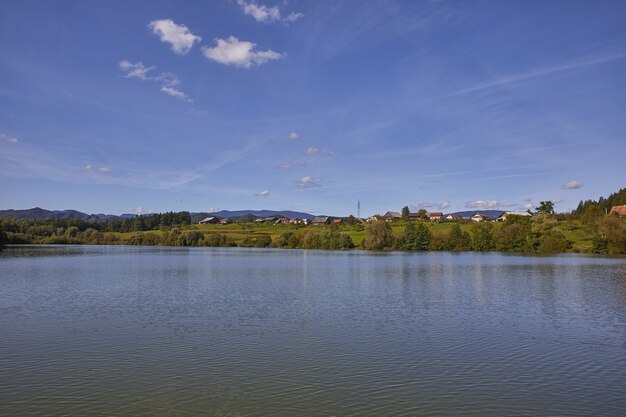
358,209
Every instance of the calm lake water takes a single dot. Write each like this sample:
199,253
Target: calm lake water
137,331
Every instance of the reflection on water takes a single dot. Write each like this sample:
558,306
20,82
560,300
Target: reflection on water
89,331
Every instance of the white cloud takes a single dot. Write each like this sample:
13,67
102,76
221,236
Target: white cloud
290,164
292,17
178,36
308,182
426,205
8,139
232,51
136,210
312,150
176,93
213,209
293,136
266,14
106,171
166,79
572,185
136,70
262,194
528,206
261,13
483,204
88,167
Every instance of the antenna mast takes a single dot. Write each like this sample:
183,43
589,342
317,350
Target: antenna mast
358,209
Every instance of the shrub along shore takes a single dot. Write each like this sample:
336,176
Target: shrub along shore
545,233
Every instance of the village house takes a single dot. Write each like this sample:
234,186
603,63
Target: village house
479,217
435,216
337,221
321,220
209,220
375,218
452,217
504,215
619,210
414,216
392,215
226,221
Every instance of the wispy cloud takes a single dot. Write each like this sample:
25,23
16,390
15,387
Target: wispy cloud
264,193
572,185
523,76
136,70
308,182
100,170
442,205
312,150
266,14
487,204
178,36
238,53
134,210
106,171
291,164
8,139
176,93
293,136
167,80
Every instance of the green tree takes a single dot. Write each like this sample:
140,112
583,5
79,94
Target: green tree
458,240
405,213
422,214
545,207
378,236
613,230
482,238
416,237
554,242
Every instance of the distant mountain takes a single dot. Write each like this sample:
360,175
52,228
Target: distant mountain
228,214
488,213
38,213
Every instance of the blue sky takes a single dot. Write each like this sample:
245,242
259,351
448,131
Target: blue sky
310,105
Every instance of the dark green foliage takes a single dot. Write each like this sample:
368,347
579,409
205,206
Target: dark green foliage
602,205
545,207
613,230
3,238
379,236
416,237
329,238
458,240
553,242
191,238
513,236
288,240
405,213
216,240
482,237
423,214
262,241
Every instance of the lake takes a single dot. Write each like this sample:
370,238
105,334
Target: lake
154,331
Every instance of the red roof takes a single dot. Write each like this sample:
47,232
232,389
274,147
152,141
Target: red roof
620,210
435,214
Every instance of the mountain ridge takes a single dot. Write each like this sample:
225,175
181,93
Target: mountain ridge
38,213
